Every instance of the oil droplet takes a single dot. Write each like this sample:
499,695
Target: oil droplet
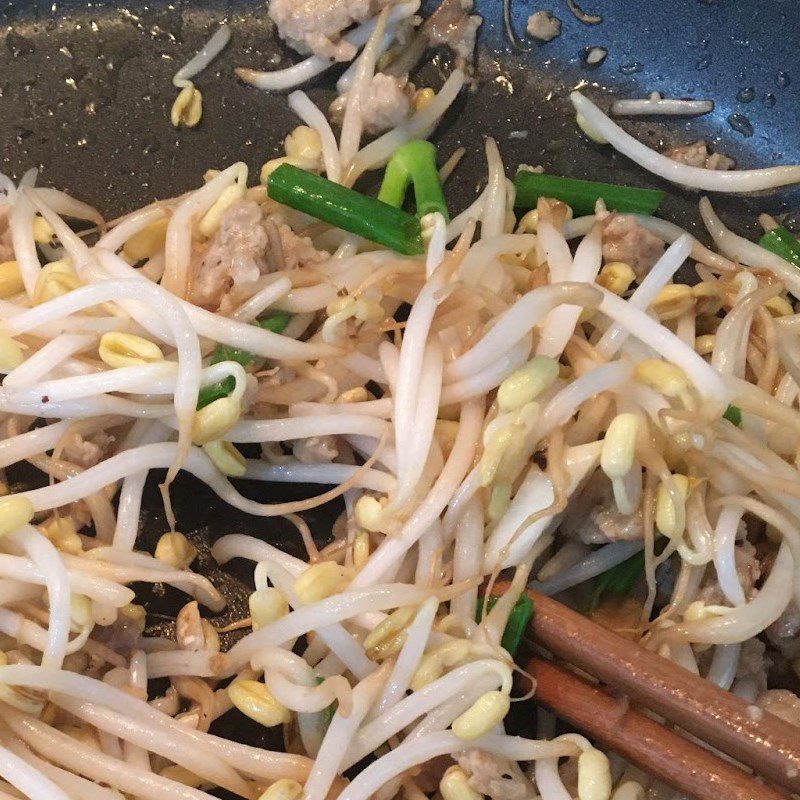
741,124
746,95
783,80
769,100
630,68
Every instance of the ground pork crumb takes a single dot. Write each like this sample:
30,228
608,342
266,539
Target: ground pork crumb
748,569
315,450
387,104
542,25
236,256
624,239
784,633
696,154
451,25
782,703
316,25
87,452
496,777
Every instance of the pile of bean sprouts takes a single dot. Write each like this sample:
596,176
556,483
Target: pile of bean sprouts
462,436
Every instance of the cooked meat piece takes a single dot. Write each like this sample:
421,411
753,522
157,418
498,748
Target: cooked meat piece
624,239
236,254
87,452
387,104
451,25
496,777
594,519
748,568
753,664
315,450
782,703
542,25
316,25
784,633
696,155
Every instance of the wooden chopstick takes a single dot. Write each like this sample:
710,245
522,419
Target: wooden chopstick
765,743
681,764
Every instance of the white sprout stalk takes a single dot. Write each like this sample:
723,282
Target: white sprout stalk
482,254
724,554
279,430
560,323
130,496
328,474
30,782
418,126
47,559
515,323
31,443
746,252
210,50
237,545
146,737
661,107
705,379
408,659
428,747
114,239
300,103
304,71
468,555
424,700
594,564
340,733
353,122
178,246
255,306
22,241
494,207
724,665
79,757
184,337
251,760
231,332
751,180
746,621
655,280
47,358
325,612
393,549
414,454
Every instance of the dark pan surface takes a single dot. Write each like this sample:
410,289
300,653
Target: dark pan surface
85,91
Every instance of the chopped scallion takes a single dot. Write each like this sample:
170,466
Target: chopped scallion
734,415
517,621
276,322
346,209
618,580
414,163
783,243
581,196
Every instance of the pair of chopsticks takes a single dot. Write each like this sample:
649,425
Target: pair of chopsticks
761,741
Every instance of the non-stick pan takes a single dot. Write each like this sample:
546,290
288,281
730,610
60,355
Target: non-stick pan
85,92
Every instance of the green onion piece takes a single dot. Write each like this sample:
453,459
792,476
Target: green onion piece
517,621
581,196
414,163
330,710
734,415
275,322
618,580
783,243
346,209
218,390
